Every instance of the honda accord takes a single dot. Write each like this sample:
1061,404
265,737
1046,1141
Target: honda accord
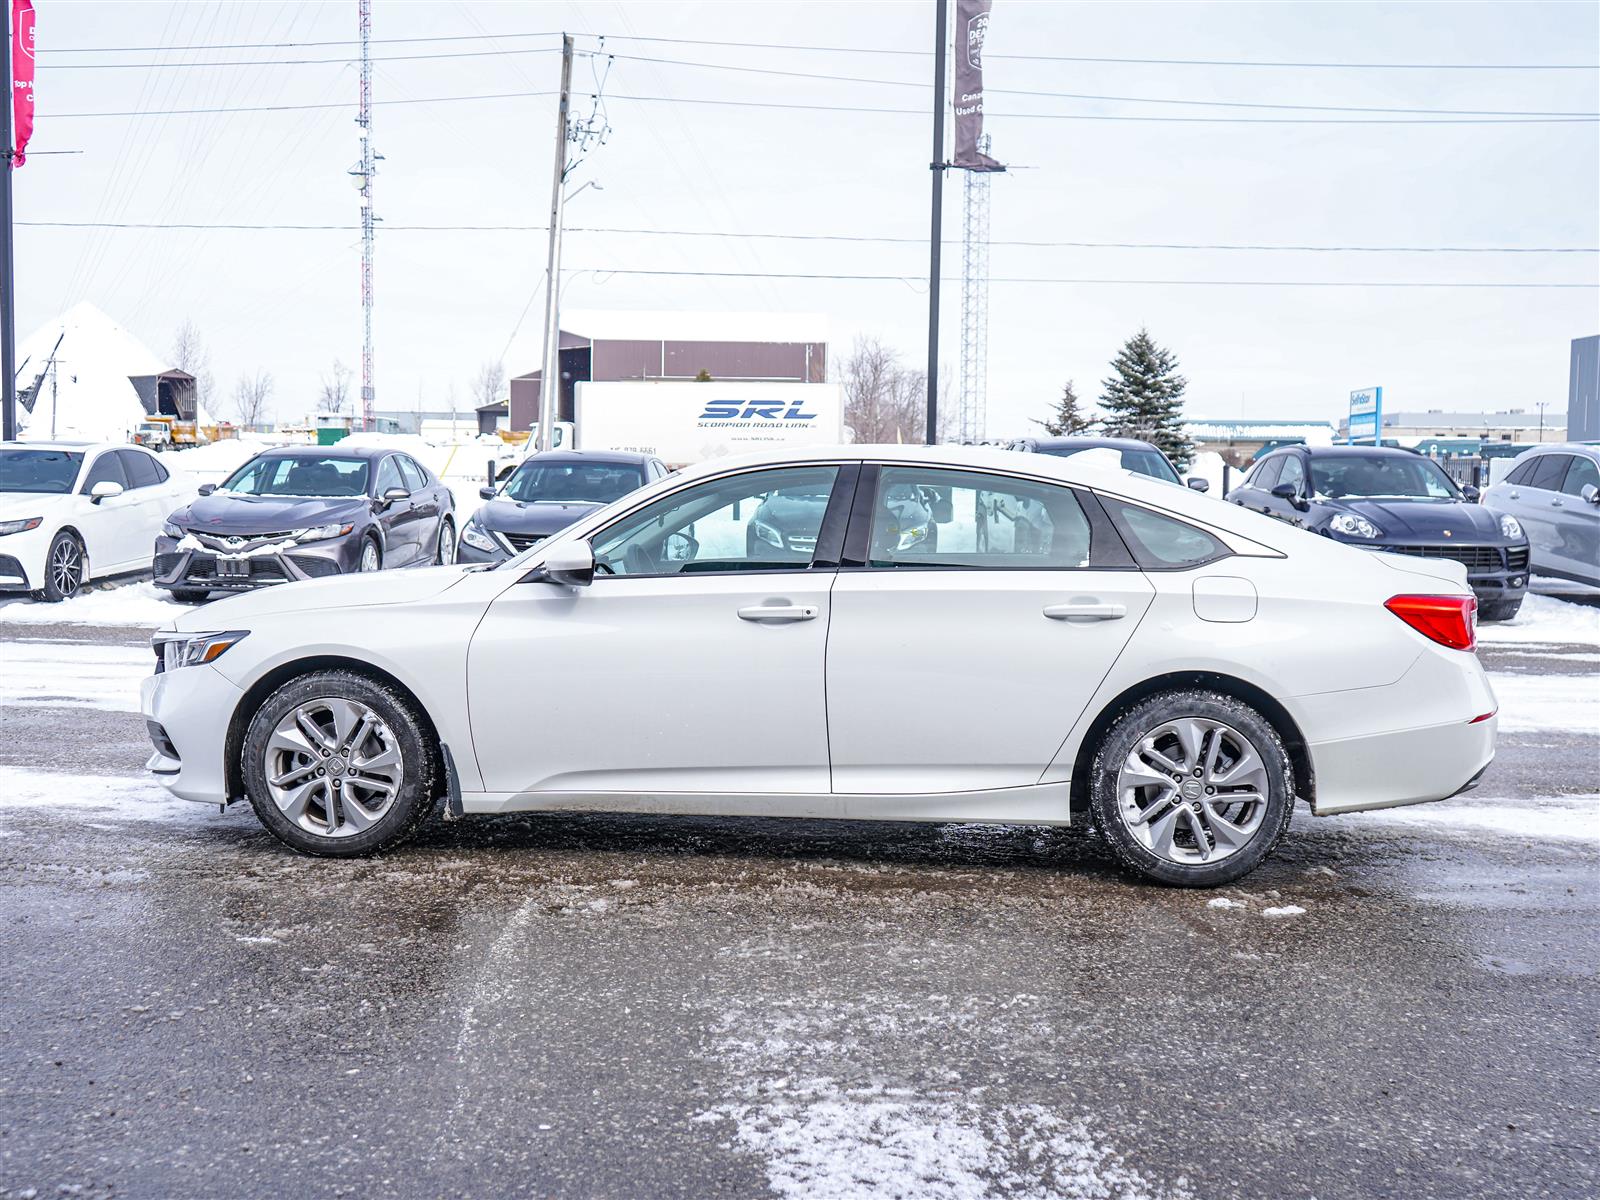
1175,671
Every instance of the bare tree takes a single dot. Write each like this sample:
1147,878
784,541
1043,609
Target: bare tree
335,393
883,401
189,354
250,396
489,384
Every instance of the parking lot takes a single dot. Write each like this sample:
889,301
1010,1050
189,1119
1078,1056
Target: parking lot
1398,1003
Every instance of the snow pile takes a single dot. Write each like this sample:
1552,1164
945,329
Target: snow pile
215,461
1544,818
106,796
88,395
74,674
137,604
1208,465
1547,621
1542,703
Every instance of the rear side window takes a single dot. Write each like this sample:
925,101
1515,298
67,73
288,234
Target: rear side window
1580,475
142,469
1523,472
1549,471
1266,476
1160,542
106,469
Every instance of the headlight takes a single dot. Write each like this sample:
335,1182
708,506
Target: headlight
172,530
477,537
1351,525
768,534
910,537
1510,527
192,649
319,533
19,526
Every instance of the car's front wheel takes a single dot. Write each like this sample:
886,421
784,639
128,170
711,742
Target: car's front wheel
65,569
1191,788
1502,610
446,553
338,764
371,556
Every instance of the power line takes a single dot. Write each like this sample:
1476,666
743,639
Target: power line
915,279
819,237
878,50
858,110
52,65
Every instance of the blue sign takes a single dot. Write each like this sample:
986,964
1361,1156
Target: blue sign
1366,416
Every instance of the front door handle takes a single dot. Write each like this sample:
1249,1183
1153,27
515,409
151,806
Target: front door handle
779,612
1086,611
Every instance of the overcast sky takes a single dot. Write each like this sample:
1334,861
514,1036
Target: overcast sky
288,301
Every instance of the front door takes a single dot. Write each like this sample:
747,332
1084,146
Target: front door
984,616
692,664
115,528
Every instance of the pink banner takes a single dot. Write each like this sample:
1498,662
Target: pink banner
22,34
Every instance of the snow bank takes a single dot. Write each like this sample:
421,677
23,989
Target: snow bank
90,394
1543,818
137,604
1547,621
74,674
107,796
1542,703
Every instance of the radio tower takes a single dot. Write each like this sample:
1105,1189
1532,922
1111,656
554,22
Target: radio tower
972,412
363,172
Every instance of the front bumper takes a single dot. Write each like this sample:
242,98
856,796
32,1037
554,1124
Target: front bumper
23,554
188,712
180,564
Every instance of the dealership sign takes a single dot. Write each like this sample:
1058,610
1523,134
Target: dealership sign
1366,416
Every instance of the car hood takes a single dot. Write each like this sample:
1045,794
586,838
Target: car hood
784,512
14,505
373,589
542,517
223,512
1425,520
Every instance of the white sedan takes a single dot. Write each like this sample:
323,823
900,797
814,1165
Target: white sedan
75,511
923,634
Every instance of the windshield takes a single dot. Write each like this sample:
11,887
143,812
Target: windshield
1142,462
573,482
299,475
39,470
1381,476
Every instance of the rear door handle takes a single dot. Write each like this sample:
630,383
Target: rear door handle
1086,611
779,612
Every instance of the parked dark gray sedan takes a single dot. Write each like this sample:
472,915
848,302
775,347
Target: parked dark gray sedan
304,513
1554,492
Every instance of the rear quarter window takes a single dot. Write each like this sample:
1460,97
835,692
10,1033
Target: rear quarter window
1160,542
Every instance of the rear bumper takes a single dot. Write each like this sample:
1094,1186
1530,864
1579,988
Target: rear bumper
1410,766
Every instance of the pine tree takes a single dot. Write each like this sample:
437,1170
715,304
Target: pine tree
1068,419
1143,398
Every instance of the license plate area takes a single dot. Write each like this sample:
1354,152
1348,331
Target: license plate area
233,568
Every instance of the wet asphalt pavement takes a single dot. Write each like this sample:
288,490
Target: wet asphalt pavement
628,1006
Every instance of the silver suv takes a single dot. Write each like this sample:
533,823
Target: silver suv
1554,491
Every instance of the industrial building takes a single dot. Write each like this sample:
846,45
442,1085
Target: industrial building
1437,431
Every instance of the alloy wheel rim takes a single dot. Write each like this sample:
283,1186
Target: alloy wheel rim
333,767
66,567
369,556
447,545
1193,791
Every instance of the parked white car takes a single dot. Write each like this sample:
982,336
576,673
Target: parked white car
1175,670
75,511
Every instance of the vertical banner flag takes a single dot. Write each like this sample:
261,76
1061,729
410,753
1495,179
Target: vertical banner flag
972,25
22,34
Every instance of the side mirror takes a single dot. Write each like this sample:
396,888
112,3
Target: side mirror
1198,484
571,565
104,490
487,493
1590,494
207,488
1286,491
390,495
680,547
1472,494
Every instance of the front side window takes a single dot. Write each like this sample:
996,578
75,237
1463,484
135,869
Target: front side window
758,521
299,475
1266,473
1293,473
389,476
1381,476
105,469
1160,542
47,471
416,479
927,517
573,482
1582,473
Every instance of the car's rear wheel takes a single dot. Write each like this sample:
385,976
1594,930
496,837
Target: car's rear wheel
446,554
340,765
1191,788
65,569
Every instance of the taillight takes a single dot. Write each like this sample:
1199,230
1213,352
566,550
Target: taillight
1449,620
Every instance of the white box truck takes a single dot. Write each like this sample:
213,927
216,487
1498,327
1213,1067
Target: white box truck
682,422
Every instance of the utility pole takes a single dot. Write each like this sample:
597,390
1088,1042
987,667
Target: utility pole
8,307
550,374
364,172
1543,404
937,167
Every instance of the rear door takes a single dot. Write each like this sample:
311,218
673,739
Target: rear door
1537,501
974,616
1577,525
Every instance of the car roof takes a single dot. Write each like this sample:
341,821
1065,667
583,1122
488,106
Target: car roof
590,456
64,444
335,450
1337,451
1587,449
1092,443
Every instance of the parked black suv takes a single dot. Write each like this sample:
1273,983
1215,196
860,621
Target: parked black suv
1398,501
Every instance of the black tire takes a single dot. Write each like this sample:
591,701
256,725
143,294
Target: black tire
189,595
371,542
414,798
66,553
1503,610
447,537
1118,743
